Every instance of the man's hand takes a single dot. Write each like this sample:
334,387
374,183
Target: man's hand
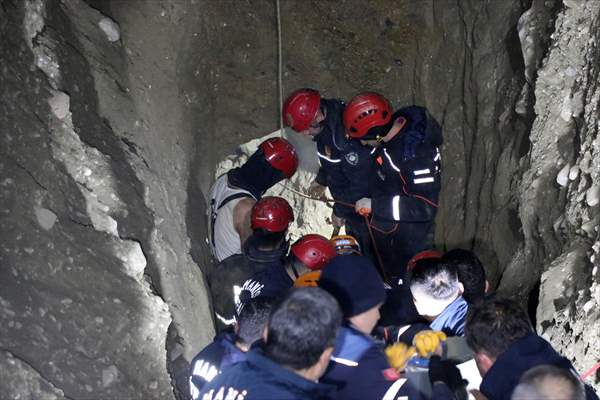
363,206
316,190
336,221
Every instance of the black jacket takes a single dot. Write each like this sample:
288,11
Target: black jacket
259,378
407,181
526,353
345,164
228,277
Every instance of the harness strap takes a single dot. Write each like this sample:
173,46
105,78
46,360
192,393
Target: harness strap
213,214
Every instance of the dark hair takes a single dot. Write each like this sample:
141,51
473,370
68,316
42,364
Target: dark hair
495,324
301,327
253,318
435,278
549,382
470,273
263,239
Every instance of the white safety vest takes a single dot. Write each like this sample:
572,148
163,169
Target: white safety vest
224,240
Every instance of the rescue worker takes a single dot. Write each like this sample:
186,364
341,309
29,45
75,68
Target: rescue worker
403,197
229,348
235,192
358,368
345,164
311,252
298,343
506,346
470,273
547,382
267,245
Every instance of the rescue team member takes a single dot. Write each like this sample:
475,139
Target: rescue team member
547,382
358,368
267,245
311,252
405,186
506,346
470,273
345,164
298,343
229,348
235,192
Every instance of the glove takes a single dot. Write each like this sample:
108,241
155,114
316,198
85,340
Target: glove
427,342
445,371
363,206
316,190
398,355
336,221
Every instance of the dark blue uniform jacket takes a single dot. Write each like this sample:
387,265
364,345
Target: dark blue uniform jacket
406,184
214,358
526,353
360,370
345,164
259,378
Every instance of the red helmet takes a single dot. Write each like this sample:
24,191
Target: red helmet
272,214
314,251
300,108
425,254
281,155
365,111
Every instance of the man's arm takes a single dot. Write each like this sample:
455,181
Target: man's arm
241,218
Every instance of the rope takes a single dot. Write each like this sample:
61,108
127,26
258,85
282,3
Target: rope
590,372
279,67
372,236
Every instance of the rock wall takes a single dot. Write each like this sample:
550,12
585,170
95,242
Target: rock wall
95,254
559,190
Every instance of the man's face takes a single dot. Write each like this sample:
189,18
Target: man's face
316,126
365,322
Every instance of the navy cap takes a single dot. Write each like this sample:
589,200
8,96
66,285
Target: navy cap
354,282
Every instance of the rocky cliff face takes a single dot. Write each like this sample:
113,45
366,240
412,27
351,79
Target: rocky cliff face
114,115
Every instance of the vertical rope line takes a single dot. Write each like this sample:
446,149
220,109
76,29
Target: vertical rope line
279,67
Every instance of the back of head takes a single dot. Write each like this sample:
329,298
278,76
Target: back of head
470,273
253,318
493,325
354,282
301,327
264,240
547,382
434,284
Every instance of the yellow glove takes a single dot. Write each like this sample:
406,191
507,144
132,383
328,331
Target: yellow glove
398,355
427,342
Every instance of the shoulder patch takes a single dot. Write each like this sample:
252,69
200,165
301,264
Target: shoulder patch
352,158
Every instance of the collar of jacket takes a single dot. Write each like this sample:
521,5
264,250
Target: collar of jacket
452,319
257,358
526,353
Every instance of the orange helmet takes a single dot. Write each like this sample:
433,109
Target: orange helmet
345,244
309,279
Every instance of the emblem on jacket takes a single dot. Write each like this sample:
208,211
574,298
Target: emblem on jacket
352,158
